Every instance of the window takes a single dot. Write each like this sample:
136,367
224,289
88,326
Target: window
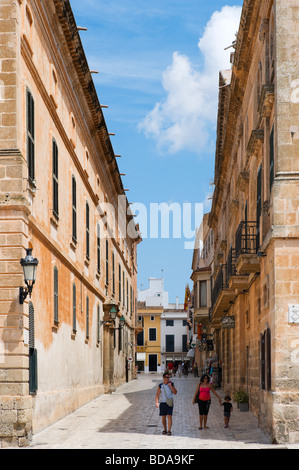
87,231
203,293
98,324
259,194
119,282
169,322
184,343
127,295
74,309
98,249
152,317
124,289
55,295
140,339
113,274
120,337
55,177
74,209
152,334
271,162
169,342
265,361
87,317
30,137
107,262
33,384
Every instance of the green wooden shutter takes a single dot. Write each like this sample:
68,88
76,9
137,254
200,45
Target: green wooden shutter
74,209
33,383
55,177
98,249
107,262
98,324
87,317
271,159
74,309
119,282
56,319
30,136
87,231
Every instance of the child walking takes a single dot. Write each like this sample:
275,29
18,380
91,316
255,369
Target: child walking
228,408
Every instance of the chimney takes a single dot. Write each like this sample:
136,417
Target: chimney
177,303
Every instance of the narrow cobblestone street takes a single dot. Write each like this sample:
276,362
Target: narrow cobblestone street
128,419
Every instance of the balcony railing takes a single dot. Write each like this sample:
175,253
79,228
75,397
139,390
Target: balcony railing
247,238
220,283
231,264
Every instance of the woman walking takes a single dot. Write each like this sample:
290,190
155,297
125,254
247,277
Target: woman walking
203,394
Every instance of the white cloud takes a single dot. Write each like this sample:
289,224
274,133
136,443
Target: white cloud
186,119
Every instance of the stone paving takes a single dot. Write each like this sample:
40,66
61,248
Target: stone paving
128,419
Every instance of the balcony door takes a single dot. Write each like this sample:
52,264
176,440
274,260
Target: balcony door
169,343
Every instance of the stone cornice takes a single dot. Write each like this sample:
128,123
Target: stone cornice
247,36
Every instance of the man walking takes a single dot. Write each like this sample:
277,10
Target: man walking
165,393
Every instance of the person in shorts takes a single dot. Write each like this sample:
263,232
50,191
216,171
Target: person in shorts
165,391
227,409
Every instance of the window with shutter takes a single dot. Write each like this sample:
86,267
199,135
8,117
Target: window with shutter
31,326
87,231
98,324
107,262
87,317
258,205
263,362
74,309
124,289
259,194
55,177
268,358
74,209
30,137
98,249
119,282
271,158
169,343
113,274
120,335
56,320
33,384
127,295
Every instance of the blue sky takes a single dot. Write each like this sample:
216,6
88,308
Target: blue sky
158,65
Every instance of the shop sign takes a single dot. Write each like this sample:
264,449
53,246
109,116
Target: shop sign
228,322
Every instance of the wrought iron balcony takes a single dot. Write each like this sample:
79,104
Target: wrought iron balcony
222,295
247,238
247,242
235,280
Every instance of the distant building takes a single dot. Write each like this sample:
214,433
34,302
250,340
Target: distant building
154,295
164,329
173,336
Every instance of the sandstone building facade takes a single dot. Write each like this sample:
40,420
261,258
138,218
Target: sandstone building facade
61,194
255,217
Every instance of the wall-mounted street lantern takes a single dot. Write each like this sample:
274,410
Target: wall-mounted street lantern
112,316
29,265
